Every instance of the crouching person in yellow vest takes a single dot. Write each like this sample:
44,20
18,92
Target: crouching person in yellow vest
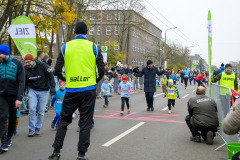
227,79
84,68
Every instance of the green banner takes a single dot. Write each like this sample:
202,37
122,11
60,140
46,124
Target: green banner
209,49
22,31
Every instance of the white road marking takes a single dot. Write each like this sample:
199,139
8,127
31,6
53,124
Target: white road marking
185,96
164,109
122,135
158,95
194,90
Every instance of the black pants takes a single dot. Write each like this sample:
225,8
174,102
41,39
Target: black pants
181,79
203,129
124,99
85,102
199,83
171,102
186,81
149,99
7,107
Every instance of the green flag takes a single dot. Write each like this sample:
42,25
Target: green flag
209,48
22,31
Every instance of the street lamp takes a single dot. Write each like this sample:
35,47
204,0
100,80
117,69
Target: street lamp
166,38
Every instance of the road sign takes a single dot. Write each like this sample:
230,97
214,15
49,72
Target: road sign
104,53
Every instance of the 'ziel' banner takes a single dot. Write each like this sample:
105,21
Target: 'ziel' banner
22,31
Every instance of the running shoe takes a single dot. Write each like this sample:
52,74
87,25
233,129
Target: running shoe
82,158
169,112
53,125
128,111
152,108
9,142
4,148
31,133
37,131
105,106
121,113
78,130
54,156
148,109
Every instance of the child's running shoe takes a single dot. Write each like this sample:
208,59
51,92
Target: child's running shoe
37,131
15,131
169,112
121,113
78,130
54,156
128,111
108,103
31,133
105,106
173,106
52,126
82,158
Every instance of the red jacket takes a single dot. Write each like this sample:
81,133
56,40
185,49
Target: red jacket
199,77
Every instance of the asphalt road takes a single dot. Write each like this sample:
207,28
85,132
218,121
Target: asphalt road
140,135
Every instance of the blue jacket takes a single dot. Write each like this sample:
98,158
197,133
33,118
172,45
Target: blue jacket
186,73
12,78
220,70
173,77
58,100
127,71
149,78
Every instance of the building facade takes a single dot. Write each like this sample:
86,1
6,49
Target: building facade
123,31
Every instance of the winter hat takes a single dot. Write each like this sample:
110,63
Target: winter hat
138,67
170,81
4,49
149,62
29,57
228,65
46,56
106,78
125,78
60,81
81,28
222,65
113,69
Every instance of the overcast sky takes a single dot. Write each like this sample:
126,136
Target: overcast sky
190,17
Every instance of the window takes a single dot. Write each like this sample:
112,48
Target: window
117,16
98,43
108,30
52,49
116,30
99,30
109,17
137,49
91,30
116,45
133,46
91,17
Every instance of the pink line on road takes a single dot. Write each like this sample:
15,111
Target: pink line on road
168,115
129,114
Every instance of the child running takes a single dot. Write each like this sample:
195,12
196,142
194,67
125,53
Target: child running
125,88
58,100
157,83
171,94
164,81
106,88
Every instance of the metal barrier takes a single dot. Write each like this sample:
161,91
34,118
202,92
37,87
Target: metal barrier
222,97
